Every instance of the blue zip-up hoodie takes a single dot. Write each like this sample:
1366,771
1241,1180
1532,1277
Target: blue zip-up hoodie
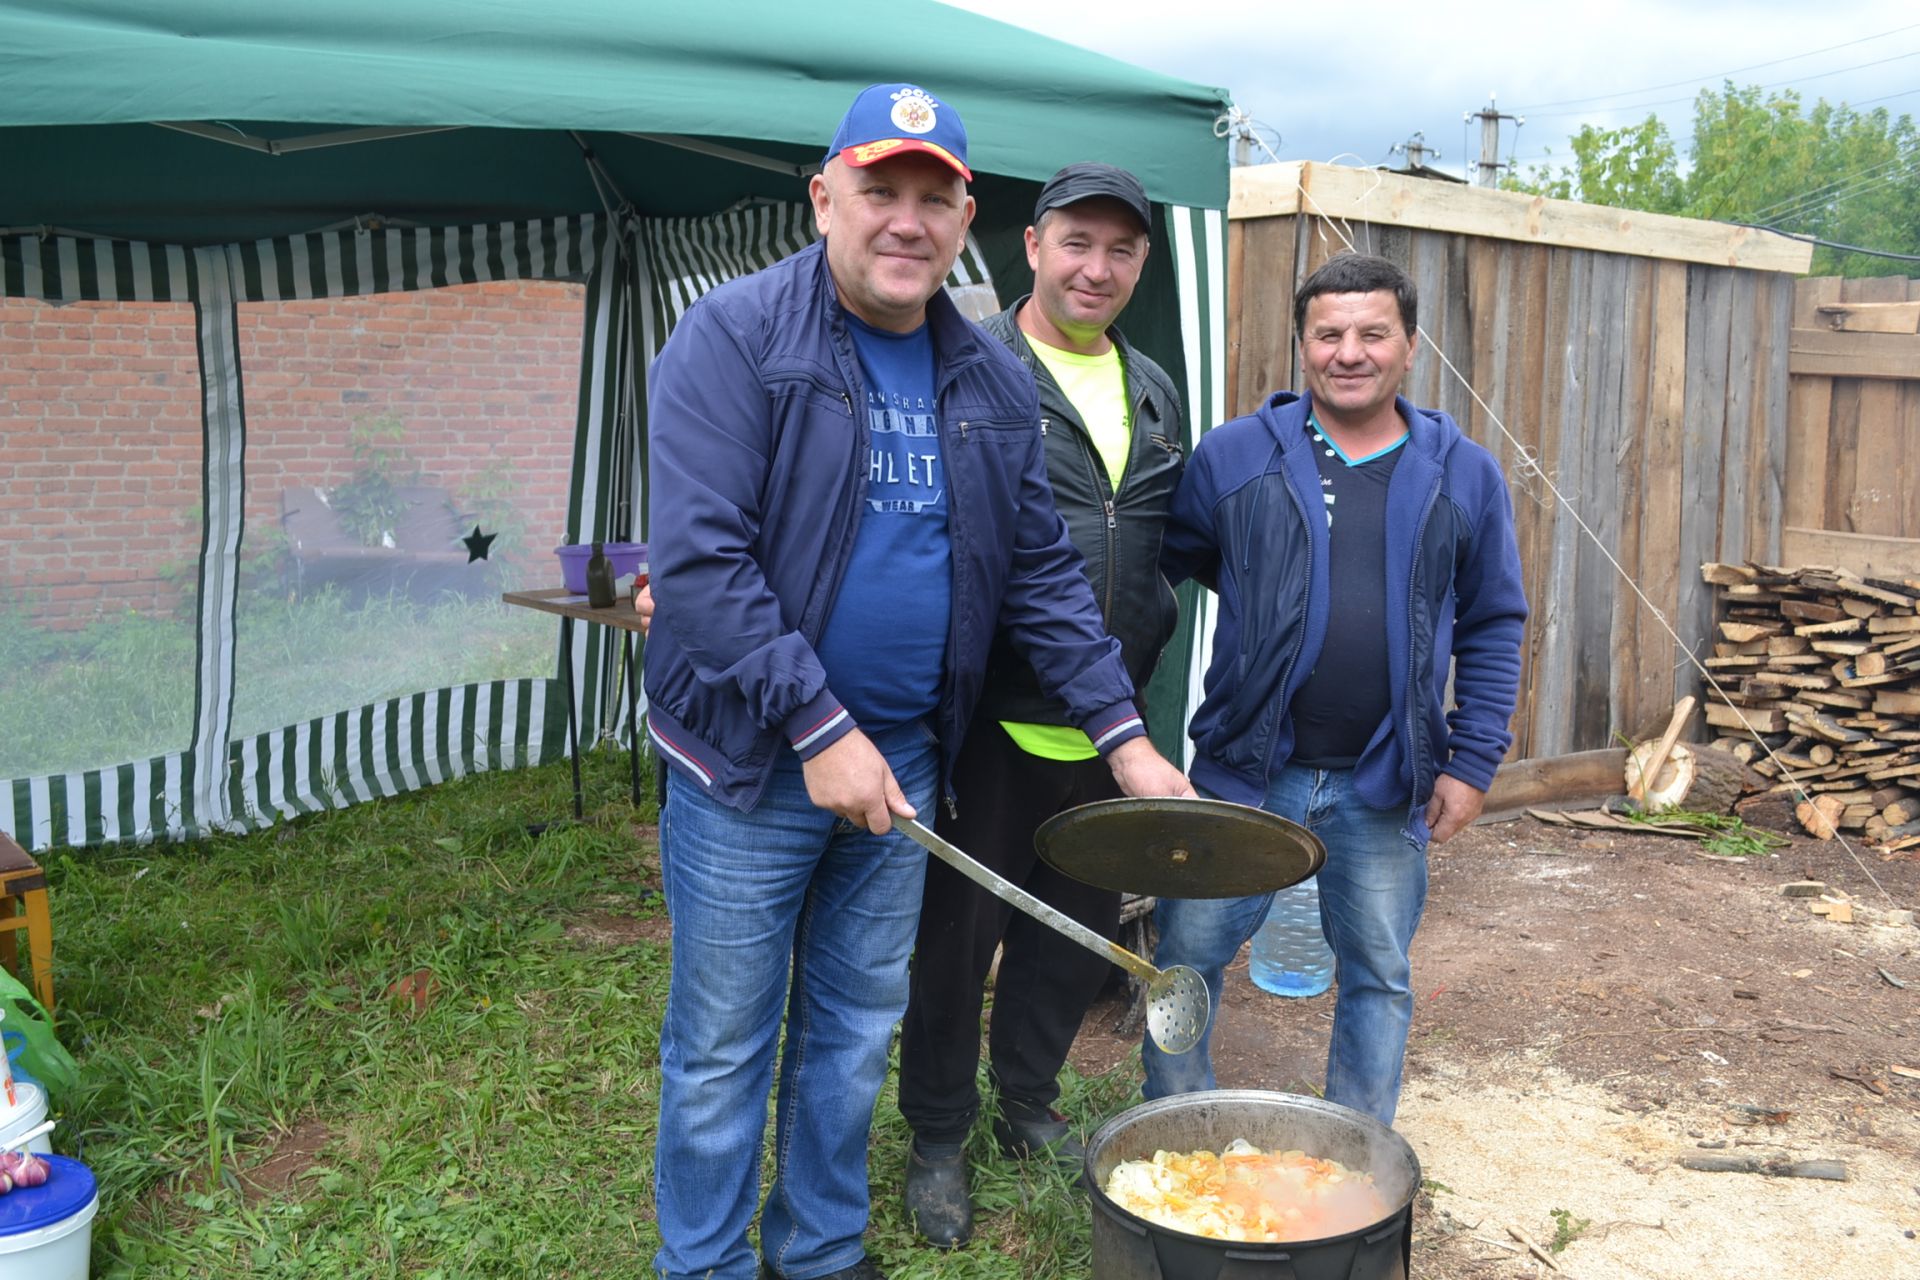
759,468
1249,520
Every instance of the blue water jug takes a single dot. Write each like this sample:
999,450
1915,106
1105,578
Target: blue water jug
1290,952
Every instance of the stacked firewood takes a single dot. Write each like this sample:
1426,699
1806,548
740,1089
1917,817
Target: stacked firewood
1824,666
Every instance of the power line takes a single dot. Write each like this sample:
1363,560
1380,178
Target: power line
1819,199
1778,84
1721,75
1883,97
1823,190
1834,244
1814,197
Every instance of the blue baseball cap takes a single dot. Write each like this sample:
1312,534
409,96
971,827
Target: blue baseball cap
890,119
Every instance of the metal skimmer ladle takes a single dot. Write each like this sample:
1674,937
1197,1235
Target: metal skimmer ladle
1177,1006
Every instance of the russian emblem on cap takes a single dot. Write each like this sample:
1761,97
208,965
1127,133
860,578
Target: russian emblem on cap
913,110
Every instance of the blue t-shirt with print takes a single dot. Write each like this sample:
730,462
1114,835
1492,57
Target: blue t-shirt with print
885,643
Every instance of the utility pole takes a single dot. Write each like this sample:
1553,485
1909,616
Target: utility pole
1416,150
1486,170
1239,125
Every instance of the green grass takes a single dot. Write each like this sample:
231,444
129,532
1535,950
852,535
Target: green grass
222,994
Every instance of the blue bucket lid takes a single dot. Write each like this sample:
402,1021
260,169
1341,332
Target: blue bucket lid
68,1189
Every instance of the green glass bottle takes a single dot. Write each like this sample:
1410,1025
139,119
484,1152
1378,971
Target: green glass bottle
600,579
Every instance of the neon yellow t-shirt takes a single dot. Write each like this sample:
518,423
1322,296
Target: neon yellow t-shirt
1096,387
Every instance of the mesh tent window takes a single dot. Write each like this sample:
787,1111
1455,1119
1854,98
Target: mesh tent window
639,278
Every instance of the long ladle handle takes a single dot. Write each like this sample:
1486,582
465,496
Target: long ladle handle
1011,893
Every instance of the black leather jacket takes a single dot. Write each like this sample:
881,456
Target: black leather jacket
1118,533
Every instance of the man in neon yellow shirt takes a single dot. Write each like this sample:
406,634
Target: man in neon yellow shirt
1114,437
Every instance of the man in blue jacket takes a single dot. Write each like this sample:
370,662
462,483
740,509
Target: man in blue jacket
850,496
1361,549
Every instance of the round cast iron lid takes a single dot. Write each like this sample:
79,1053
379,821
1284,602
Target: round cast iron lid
1179,848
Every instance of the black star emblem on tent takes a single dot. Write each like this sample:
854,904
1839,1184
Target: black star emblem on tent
478,544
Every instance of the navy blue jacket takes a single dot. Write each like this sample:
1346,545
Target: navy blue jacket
1248,518
758,472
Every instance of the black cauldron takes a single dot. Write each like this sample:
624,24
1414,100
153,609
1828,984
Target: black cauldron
1128,1247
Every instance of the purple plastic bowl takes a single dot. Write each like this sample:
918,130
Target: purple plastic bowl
627,557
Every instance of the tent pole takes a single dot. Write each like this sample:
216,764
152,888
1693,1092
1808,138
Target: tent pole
786,167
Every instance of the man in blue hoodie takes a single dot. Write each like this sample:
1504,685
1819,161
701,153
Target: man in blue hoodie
1362,550
850,500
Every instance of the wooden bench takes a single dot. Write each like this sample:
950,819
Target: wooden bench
23,905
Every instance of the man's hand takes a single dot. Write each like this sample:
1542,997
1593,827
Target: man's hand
643,605
1142,771
851,778
1454,805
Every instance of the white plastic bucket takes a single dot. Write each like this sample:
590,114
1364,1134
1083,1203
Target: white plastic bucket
17,1120
46,1233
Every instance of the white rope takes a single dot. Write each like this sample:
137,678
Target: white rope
1530,465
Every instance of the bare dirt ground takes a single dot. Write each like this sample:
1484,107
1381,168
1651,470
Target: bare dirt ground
1591,1008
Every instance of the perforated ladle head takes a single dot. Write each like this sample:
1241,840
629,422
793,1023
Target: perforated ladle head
1177,1004
1177,1008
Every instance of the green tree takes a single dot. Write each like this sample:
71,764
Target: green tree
1829,171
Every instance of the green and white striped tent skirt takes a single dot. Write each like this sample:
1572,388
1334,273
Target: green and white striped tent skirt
640,275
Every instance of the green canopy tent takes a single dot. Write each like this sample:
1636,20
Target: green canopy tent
230,158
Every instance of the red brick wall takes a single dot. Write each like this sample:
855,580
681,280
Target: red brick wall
100,422
99,455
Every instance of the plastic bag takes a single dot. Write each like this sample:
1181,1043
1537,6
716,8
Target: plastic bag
45,1058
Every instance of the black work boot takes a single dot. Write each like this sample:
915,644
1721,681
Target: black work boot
937,1199
1024,1137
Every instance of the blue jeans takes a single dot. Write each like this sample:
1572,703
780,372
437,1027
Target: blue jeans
1372,891
783,910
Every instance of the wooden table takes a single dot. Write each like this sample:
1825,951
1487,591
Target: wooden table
621,616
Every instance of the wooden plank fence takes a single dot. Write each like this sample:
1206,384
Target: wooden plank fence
1853,453
1642,361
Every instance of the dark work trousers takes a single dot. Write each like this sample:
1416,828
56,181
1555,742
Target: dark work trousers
1045,981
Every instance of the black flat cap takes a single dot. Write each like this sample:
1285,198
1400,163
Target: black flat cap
1090,179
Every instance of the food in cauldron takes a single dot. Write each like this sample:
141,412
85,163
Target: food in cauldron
1244,1193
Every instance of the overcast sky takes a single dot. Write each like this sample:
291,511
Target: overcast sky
1351,80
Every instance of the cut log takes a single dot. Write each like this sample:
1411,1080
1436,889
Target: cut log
1821,726
1900,813
1727,575
1849,699
1584,777
1814,820
1890,626
1742,632
1812,611
1820,753
1895,702
1695,778
1801,680
1851,626
1644,766
1757,721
